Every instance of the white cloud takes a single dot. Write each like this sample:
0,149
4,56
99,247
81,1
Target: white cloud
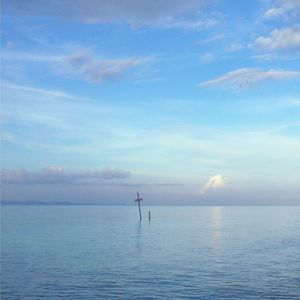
208,58
134,12
281,39
269,56
246,77
211,39
81,64
213,183
96,70
188,24
13,55
283,8
51,93
57,175
234,47
53,170
295,103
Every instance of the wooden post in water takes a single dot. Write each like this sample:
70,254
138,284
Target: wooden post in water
138,200
149,214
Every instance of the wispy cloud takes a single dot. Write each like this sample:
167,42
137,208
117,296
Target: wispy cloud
234,47
134,12
78,63
247,77
280,39
50,119
96,70
13,55
207,57
283,8
57,175
272,56
213,183
295,103
213,38
44,92
188,24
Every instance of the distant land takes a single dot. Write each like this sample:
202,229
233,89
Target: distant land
62,203
53,203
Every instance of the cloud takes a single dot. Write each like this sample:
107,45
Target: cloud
53,170
57,175
271,56
213,38
213,183
188,24
42,92
208,57
283,8
134,12
281,39
247,77
292,130
295,103
234,47
81,64
94,70
13,56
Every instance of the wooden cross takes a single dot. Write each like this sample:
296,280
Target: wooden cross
138,200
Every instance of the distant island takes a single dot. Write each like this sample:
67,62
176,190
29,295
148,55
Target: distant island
30,202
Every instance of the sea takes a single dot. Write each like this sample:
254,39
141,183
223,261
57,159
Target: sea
183,252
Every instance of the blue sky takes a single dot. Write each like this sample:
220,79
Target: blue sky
190,102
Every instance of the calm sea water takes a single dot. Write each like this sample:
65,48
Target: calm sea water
103,252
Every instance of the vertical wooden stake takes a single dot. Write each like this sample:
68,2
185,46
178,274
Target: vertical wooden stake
140,210
138,200
149,214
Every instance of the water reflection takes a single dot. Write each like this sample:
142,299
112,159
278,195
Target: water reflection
139,228
217,229
217,218
138,235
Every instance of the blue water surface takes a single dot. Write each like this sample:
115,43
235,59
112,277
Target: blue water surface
103,252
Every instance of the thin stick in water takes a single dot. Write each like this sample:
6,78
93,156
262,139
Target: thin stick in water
138,200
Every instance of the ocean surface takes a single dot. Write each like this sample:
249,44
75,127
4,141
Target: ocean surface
103,252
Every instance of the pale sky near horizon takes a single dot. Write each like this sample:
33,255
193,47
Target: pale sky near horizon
189,102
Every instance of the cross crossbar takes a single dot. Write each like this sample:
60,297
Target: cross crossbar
138,197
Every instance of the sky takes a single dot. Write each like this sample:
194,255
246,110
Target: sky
189,102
